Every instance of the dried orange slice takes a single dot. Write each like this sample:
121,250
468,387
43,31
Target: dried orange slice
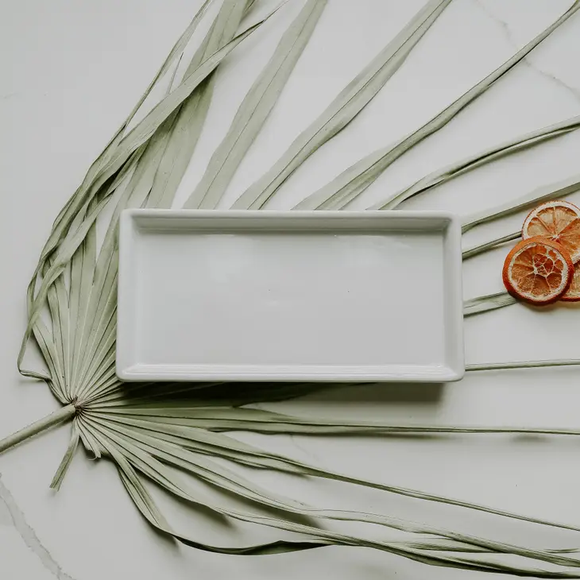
538,271
573,292
557,220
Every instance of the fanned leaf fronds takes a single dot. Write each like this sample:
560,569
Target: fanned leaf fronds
151,449
358,177
478,160
189,120
255,109
345,107
172,435
125,151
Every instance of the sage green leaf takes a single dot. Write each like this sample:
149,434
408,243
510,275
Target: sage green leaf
146,506
486,246
67,459
345,107
156,470
101,301
80,316
73,206
51,275
126,147
190,117
136,454
528,364
151,512
356,179
166,451
55,418
482,158
152,121
175,434
487,303
539,195
255,108
82,269
152,183
194,436
43,338
59,323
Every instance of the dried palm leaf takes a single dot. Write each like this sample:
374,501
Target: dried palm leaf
172,434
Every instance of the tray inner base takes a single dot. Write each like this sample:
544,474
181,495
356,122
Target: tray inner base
252,297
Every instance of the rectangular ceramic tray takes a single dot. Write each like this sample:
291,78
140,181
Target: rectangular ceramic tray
289,296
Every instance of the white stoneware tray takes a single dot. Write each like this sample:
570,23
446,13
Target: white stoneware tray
289,296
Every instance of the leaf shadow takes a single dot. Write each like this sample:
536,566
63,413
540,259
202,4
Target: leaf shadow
384,393
239,394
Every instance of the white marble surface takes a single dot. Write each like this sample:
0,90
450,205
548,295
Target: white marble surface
71,69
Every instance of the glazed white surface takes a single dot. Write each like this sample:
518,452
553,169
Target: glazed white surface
293,296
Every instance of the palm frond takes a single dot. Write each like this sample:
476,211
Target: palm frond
539,195
255,108
487,302
490,154
490,245
175,434
352,182
345,107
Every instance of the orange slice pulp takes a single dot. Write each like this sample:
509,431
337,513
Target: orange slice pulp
538,271
558,221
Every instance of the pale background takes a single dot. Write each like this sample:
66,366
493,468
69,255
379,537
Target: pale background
70,72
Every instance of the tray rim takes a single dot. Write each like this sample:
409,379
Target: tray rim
453,370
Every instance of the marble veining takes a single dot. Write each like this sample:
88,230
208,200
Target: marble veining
10,513
528,61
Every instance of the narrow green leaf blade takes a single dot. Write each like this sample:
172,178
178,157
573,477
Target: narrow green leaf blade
345,107
67,459
486,246
255,108
539,195
191,116
486,303
490,154
356,179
